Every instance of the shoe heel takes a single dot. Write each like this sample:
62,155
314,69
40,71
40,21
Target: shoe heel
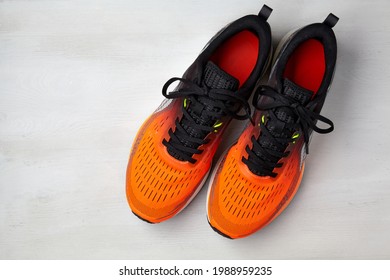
265,12
331,20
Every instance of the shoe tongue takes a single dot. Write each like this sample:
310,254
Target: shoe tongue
284,114
296,92
214,77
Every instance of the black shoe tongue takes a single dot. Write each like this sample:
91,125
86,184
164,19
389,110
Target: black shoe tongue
215,77
284,114
296,92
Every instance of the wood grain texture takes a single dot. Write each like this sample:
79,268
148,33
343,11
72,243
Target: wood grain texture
77,79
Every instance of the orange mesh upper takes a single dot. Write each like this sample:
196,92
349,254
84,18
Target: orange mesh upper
241,202
158,185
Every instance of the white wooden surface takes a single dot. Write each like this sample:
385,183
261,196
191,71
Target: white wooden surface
77,79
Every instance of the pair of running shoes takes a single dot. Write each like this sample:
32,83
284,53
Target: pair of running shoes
257,177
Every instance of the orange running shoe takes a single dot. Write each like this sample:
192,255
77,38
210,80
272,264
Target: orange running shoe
173,150
260,174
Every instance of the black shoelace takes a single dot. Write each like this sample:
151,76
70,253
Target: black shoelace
208,107
262,159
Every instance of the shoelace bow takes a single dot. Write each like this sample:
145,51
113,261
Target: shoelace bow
263,160
223,102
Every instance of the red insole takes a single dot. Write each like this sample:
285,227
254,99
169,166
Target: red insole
237,56
306,65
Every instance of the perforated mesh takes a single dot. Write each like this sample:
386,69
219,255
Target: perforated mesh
245,201
214,77
163,182
155,182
